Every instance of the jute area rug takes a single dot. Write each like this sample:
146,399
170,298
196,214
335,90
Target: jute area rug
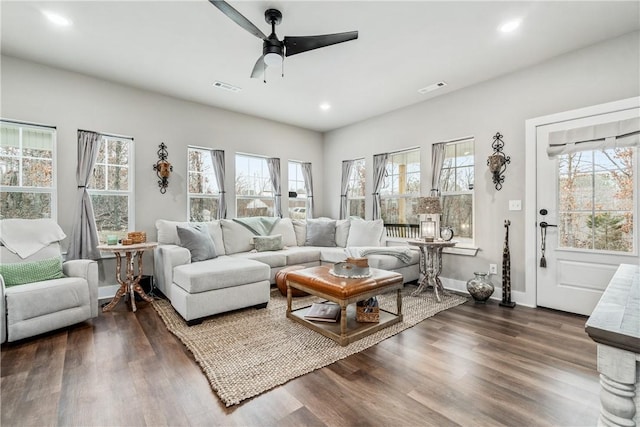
247,352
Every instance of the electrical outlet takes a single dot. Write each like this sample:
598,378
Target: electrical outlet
493,268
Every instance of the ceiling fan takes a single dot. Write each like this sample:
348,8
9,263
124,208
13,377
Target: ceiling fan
274,50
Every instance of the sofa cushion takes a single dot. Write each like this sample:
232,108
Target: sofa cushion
300,228
196,238
20,273
274,259
168,234
342,232
332,255
302,255
237,237
222,272
285,228
365,233
268,243
321,232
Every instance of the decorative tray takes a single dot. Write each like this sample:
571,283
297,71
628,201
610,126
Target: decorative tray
349,271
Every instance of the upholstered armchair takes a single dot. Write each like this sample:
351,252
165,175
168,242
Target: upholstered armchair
38,291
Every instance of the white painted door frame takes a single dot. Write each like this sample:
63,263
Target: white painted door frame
530,219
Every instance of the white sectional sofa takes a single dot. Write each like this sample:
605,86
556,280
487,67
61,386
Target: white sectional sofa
238,275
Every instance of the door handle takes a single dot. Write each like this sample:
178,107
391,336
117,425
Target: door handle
544,224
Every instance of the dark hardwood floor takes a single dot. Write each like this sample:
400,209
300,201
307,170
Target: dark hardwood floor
472,365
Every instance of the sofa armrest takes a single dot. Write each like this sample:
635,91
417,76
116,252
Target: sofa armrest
165,258
87,269
3,313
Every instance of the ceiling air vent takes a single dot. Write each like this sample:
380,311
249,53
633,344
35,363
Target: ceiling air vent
226,86
432,87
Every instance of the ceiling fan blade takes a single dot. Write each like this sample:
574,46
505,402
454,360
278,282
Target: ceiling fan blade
295,45
238,18
258,69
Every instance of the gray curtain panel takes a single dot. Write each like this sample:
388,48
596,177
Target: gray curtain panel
308,186
84,235
347,166
218,167
379,173
437,161
274,173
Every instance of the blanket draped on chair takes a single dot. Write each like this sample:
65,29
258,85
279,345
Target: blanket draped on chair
403,254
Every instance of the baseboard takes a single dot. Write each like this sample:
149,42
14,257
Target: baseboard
518,297
107,292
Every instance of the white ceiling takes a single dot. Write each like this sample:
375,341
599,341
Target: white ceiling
180,48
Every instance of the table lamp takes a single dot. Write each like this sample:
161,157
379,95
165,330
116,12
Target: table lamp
429,209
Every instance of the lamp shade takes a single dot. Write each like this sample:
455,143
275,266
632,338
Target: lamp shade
429,205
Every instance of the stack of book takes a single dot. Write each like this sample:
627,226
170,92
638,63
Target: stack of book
323,312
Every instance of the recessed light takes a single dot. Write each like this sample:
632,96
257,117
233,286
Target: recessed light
510,26
57,18
325,106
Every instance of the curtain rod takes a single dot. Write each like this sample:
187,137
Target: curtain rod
111,135
18,122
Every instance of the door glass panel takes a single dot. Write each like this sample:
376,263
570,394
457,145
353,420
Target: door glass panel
596,196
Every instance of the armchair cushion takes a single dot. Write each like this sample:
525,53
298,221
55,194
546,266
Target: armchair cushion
21,273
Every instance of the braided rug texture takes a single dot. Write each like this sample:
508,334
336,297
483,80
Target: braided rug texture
247,352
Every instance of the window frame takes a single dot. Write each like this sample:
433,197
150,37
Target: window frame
463,241
352,180
53,189
239,196
294,202
191,195
130,193
406,196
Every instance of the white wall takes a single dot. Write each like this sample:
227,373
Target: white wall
605,72
35,93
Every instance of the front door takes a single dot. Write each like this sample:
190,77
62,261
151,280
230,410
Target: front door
589,203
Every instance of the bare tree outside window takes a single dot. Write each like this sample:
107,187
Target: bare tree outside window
401,188
254,191
27,171
297,203
596,200
355,194
456,184
111,187
202,192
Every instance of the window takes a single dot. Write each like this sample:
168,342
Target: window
111,187
297,192
254,192
202,192
401,188
596,199
27,171
456,183
355,194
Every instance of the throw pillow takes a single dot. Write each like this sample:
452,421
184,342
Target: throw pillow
196,238
21,273
321,232
268,243
365,233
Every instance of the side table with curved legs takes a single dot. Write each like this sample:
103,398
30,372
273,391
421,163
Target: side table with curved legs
131,283
430,265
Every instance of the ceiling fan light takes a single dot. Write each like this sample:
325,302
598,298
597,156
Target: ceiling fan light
272,59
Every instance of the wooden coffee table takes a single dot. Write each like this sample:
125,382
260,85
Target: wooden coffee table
344,291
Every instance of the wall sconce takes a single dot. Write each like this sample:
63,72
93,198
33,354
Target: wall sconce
428,230
498,161
163,168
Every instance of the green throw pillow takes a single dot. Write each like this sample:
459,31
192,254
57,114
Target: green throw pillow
21,273
196,238
268,243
